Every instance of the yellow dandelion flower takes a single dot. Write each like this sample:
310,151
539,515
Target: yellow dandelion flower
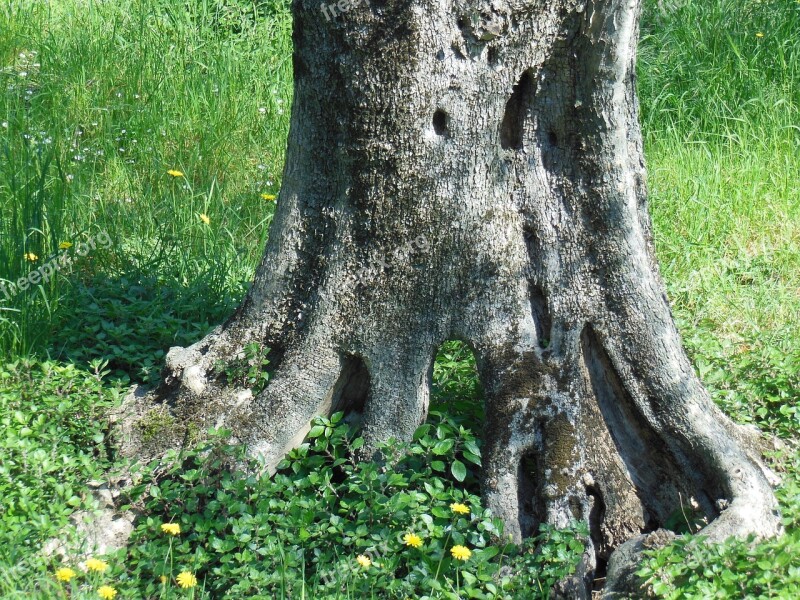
269,197
364,561
413,540
186,580
65,246
30,256
205,219
65,574
175,173
106,592
759,34
461,509
163,580
171,528
460,552
95,564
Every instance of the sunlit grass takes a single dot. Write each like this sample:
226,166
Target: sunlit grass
100,100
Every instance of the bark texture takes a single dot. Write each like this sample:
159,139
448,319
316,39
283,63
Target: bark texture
473,170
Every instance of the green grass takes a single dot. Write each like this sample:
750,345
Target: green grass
101,99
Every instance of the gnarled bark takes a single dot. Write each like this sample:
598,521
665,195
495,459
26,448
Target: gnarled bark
473,170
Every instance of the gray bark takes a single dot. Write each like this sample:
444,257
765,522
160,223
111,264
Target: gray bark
473,170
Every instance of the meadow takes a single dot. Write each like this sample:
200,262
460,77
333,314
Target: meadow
141,150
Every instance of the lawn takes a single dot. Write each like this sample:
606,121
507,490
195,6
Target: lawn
141,149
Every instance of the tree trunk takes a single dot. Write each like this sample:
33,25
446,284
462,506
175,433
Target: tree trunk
474,171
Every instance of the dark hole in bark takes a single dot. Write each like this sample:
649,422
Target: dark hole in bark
575,507
352,389
648,460
492,55
440,122
541,315
552,138
687,518
597,513
599,576
512,128
440,55
528,477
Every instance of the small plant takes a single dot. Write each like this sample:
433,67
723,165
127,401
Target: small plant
155,423
545,559
248,371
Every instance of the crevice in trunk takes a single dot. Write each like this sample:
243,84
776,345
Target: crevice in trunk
352,389
540,310
512,127
597,515
649,462
529,478
541,315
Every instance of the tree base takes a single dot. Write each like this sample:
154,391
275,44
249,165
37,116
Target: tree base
487,186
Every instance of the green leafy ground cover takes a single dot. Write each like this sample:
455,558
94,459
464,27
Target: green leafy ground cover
162,126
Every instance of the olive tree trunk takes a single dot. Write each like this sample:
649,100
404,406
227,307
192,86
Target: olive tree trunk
473,170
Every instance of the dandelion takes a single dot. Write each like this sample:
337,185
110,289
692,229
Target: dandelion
205,219
760,34
461,509
106,592
364,561
460,552
268,197
30,256
95,564
163,580
186,580
171,528
175,173
413,540
65,246
65,574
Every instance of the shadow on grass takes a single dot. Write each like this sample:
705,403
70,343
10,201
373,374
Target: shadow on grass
132,320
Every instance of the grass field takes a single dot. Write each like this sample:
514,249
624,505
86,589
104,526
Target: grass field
151,134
